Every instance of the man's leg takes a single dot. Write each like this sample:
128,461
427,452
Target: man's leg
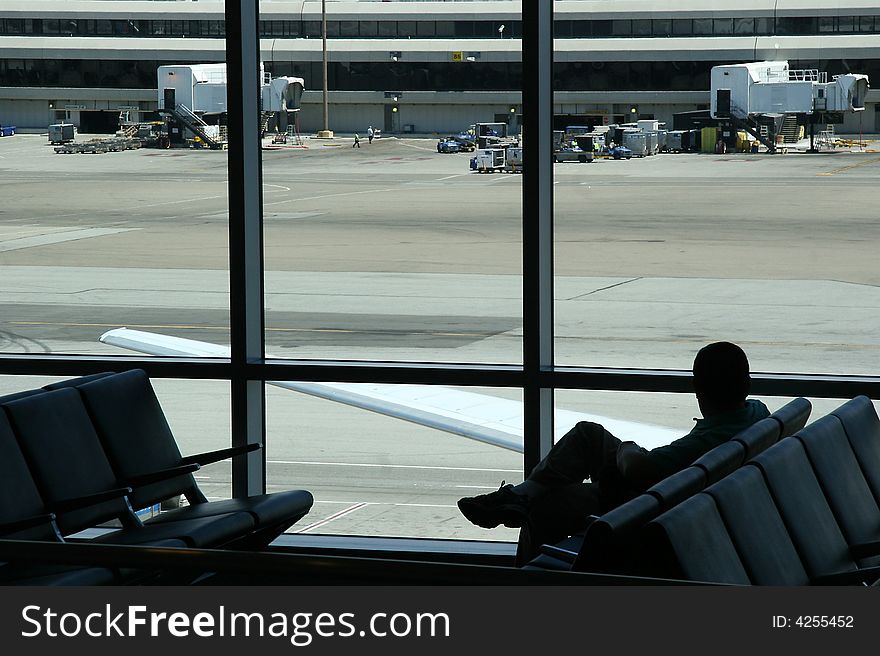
581,453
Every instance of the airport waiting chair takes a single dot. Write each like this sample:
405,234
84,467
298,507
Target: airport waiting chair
733,533
862,427
759,436
757,529
25,516
792,416
691,542
135,433
602,546
721,461
841,478
77,483
606,544
807,515
706,470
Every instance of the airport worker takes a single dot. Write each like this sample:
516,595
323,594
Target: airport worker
370,134
357,141
554,501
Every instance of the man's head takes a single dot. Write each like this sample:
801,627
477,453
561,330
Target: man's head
721,377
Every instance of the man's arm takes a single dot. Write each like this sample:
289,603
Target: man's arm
636,466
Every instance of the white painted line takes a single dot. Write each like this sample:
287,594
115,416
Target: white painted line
366,464
334,516
58,238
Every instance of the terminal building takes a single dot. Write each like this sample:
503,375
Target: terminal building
424,67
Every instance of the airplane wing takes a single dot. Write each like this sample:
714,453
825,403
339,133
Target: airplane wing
481,417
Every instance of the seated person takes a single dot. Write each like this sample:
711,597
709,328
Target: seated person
555,502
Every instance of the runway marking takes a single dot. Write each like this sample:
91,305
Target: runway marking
58,238
334,516
367,464
351,331
403,143
449,177
339,195
843,169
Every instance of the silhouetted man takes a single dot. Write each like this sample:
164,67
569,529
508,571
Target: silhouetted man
554,501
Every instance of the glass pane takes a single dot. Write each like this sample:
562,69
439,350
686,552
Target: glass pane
826,24
372,248
198,413
641,27
702,26
744,25
376,475
106,229
723,26
662,27
655,256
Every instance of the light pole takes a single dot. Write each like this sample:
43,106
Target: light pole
326,132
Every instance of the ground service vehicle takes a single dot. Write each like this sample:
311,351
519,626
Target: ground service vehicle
514,160
490,160
448,145
620,152
572,155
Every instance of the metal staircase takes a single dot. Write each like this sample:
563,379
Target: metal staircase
183,115
790,129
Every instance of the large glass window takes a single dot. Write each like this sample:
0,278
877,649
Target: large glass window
386,249
391,253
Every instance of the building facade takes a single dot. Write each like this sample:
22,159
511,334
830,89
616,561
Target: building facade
424,67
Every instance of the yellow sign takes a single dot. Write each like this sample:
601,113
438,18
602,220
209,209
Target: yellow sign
457,56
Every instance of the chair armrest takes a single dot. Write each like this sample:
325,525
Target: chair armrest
222,454
78,503
28,522
867,575
565,555
865,549
161,475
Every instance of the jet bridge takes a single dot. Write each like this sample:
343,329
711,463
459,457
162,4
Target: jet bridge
760,94
188,93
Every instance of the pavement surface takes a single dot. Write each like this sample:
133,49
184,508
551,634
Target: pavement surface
393,251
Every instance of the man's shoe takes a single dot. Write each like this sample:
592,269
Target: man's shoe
504,506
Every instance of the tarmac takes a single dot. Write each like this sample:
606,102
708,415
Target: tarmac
393,251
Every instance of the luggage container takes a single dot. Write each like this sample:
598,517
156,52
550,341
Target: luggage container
708,139
636,141
61,133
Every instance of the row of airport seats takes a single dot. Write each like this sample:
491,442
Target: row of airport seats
609,543
805,511
89,451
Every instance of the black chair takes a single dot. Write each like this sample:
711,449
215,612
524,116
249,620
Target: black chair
682,485
77,483
757,530
841,478
792,416
706,470
691,542
735,532
806,513
721,461
139,443
759,436
25,516
862,427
